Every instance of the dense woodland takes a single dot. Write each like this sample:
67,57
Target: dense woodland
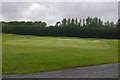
85,28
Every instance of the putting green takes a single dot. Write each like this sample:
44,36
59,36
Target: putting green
58,42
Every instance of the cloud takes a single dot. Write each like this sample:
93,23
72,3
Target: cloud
38,11
12,10
52,12
60,0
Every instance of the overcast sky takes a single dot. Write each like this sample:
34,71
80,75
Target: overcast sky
52,12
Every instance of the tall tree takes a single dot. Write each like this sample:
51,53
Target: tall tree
95,21
87,21
64,21
72,22
118,23
76,21
57,24
68,22
100,23
83,22
112,24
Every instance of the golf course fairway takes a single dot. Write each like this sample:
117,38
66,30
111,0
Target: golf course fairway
30,54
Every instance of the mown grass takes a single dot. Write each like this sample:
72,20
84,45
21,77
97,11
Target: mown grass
0,53
28,54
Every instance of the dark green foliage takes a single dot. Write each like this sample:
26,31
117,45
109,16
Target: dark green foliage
64,21
86,28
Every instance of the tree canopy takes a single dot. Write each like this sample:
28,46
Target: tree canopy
85,28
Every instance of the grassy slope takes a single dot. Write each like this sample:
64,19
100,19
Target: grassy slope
27,54
0,53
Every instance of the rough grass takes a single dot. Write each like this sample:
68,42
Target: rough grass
28,54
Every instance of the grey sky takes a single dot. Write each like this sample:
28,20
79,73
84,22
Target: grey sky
52,12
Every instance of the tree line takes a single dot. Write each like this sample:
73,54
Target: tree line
70,27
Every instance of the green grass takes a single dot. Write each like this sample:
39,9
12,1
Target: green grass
0,53
28,54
